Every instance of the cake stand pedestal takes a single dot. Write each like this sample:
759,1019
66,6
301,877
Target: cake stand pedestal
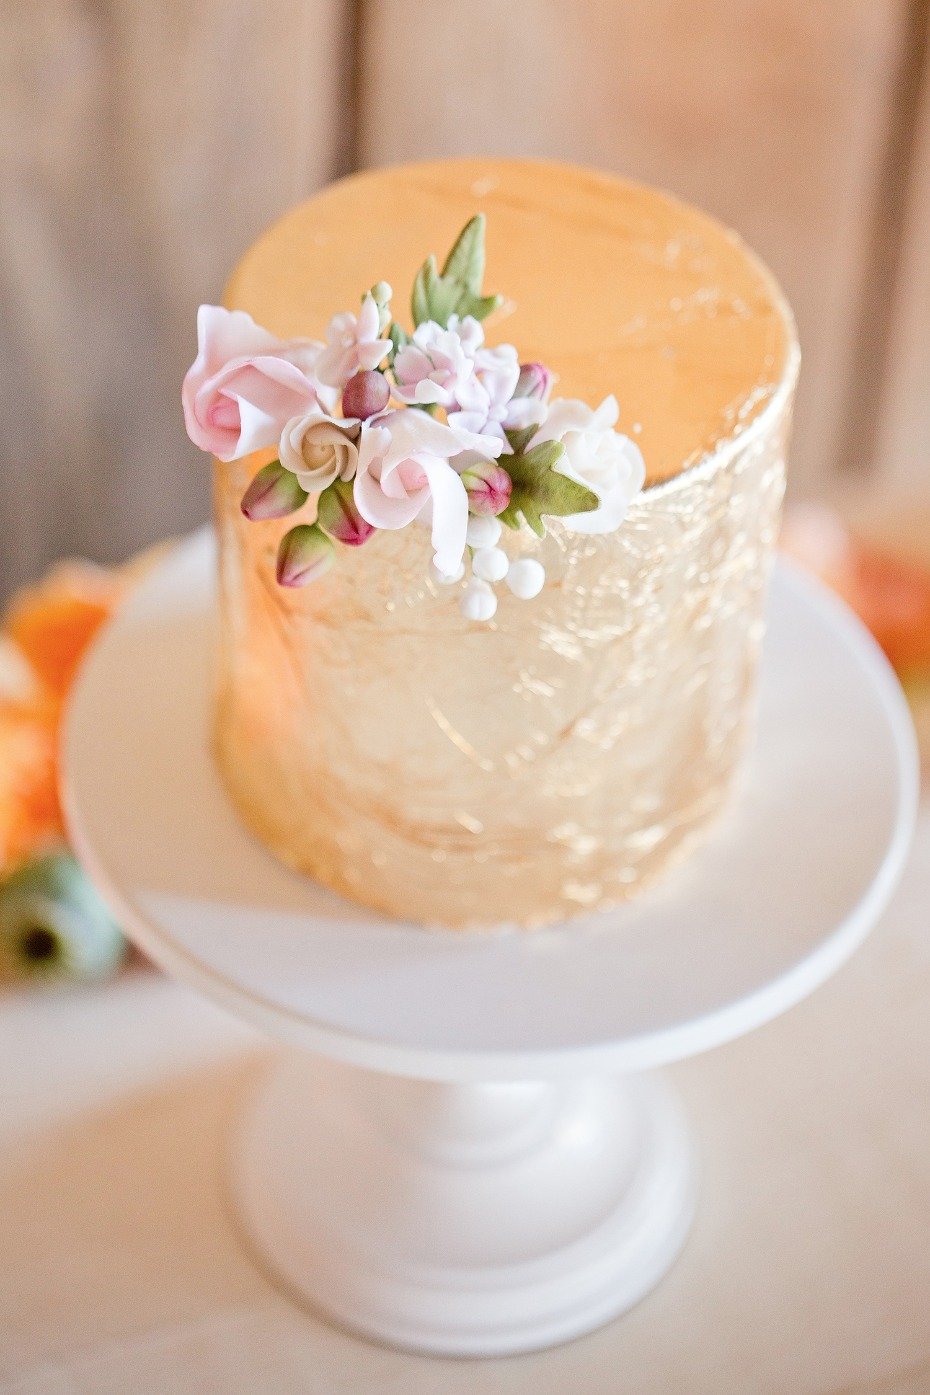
466,1148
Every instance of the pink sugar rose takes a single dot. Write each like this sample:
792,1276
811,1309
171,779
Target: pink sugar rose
404,472
353,343
244,383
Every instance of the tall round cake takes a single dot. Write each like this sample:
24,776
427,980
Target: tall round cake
463,766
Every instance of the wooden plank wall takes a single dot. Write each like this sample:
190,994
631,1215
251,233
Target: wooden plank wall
901,453
143,143
773,114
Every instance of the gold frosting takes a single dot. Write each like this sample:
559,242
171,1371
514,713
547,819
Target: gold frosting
618,288
555,759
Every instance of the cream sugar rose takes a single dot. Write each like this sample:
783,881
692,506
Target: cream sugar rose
552,743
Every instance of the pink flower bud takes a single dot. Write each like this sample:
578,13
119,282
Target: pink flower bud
488,487
338,516
273,493
304,555
365,394
535,380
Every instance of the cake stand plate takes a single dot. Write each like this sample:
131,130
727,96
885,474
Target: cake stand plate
461,1153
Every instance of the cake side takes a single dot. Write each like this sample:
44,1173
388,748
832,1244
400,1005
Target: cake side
554,762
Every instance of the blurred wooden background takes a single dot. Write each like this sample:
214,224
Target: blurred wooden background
143,143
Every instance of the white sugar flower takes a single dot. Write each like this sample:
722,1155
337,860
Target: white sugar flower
352,342
595,455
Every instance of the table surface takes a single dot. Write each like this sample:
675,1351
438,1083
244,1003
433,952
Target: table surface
808,1270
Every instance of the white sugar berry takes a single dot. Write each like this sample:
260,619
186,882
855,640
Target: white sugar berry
483,531
526,578
478,601
446,578
490,563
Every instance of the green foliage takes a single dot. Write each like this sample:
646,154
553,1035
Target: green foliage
457,289
398,337
538,488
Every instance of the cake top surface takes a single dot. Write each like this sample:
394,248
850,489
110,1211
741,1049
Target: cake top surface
619,288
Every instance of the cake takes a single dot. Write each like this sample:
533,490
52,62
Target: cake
544,734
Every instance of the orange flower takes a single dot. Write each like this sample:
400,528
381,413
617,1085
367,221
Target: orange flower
54,622
30,813
890,594
48,628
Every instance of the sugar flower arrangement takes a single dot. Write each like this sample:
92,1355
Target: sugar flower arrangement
386,429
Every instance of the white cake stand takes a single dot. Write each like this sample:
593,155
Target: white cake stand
462,1155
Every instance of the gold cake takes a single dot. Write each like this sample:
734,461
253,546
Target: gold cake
556,759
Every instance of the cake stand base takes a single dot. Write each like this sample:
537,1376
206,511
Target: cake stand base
486,1170
463,1219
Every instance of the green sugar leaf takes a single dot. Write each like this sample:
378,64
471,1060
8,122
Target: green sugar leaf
520,437
398,337
539,489
457,289
465,263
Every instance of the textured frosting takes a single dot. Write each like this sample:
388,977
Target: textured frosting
556,759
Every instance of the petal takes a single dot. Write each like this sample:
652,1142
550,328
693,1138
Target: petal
637,466
450,513
472,396
227,334
370,354
604,519
606,414
369,320
224,337
373,504
269,392
411,364
523,412
290,445
303,353
428,391
373,442
335,366
565,414
412,431
470,422
339,326
316,480
257,429
379,510
469,331
629,474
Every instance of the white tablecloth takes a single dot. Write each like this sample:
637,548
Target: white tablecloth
808,1269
